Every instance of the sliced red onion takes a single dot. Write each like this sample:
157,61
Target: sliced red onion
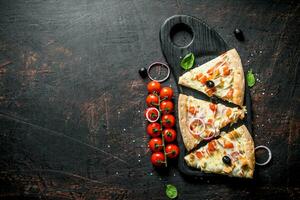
158,115
194,119
161,64
269,152
234,157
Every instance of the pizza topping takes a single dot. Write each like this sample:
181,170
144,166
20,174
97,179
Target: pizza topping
198,76
228,112
203,79
210,122
229,93
234,155
210,71
213,107
210,91
226,160
211,146
192,110
228,145
210,84
226,70
197,126
199,154
208,135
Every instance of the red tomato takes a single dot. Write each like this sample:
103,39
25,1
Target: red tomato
199,154
158,159
168,120
166,92
153,86
169,135
155,144
166,107
154,129
211,146
172,150
228,145
213,107
152,100
152,114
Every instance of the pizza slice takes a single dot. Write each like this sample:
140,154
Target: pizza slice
232,154
222,77
200,119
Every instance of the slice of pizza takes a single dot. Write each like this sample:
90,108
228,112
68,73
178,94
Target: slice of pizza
232,154
200,119
222,77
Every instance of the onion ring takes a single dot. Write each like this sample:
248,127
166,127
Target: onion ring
161,64
194,119
148,118
269,152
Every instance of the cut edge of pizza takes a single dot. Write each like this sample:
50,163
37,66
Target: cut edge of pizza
232,154
222,77
200,119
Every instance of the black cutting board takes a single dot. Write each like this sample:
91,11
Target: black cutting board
179,35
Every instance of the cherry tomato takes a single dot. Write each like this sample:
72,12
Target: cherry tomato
152,100
169,135
153,86
166,92
155,144
154,129
168,120
166,107
158,159
152,114
172,150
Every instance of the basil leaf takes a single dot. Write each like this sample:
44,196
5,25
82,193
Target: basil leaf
188,61
250,78
171,191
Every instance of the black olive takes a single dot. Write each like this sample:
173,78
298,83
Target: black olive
239,34
226,160
143,72
210,84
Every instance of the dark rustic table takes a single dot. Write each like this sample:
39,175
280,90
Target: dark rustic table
71,100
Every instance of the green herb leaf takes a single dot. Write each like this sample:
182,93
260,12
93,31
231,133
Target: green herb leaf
171,191
250,78
188,61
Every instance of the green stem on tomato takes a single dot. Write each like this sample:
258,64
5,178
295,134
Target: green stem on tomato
162,135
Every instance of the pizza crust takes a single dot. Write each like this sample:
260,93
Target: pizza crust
238,78
249,149
189,141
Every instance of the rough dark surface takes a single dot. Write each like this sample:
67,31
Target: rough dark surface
70,96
